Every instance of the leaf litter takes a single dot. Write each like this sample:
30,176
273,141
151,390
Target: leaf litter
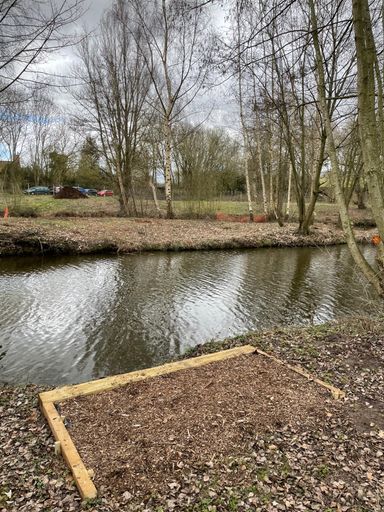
329,459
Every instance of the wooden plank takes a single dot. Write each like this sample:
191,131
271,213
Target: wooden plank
108,383
68,450
336,392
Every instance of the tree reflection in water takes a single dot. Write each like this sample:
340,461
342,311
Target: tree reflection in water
70,319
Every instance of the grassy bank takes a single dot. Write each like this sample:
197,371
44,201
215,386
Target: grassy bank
48,207
334,467
118,235
42,224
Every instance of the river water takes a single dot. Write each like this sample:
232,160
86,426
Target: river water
71,319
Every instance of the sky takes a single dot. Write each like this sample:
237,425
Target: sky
60,62
218,103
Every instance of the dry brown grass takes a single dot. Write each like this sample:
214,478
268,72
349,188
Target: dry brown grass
120,235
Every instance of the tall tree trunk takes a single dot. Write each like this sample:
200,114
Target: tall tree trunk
260,162
246,153
289,191
308,219
280,186
248,187
264,192
331,146
271,206
279,195
243,125
123,199
370,139
360,193
154,195
168,168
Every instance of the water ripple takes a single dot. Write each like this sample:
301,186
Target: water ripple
72,319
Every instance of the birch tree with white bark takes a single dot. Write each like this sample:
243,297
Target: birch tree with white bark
175,47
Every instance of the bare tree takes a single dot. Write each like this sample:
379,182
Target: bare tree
13,121
28,31
113,95
244,128
332,150
173,45
370,102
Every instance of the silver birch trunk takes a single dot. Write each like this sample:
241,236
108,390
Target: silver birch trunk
315,185
154,195
168,168
244,128
271,205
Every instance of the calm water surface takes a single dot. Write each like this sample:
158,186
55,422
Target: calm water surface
71,319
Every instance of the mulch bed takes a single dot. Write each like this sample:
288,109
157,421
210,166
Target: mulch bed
143,438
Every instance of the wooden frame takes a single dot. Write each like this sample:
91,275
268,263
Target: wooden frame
64,443
336,392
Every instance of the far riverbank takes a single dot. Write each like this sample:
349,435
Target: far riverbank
20,236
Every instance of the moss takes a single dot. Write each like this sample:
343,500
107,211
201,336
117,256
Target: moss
90,503
233,503
322,471
262,474
307,350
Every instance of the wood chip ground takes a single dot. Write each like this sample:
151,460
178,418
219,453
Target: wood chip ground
143,437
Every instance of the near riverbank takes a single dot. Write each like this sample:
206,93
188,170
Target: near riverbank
19,236
335,465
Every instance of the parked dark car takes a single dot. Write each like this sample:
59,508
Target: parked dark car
104,193
91,191
81,189
37,191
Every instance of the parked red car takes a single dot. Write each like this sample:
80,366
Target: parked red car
104,193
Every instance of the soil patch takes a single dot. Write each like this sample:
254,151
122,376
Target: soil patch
143,437
70,193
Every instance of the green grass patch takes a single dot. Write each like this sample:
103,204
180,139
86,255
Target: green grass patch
322,471
92,206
